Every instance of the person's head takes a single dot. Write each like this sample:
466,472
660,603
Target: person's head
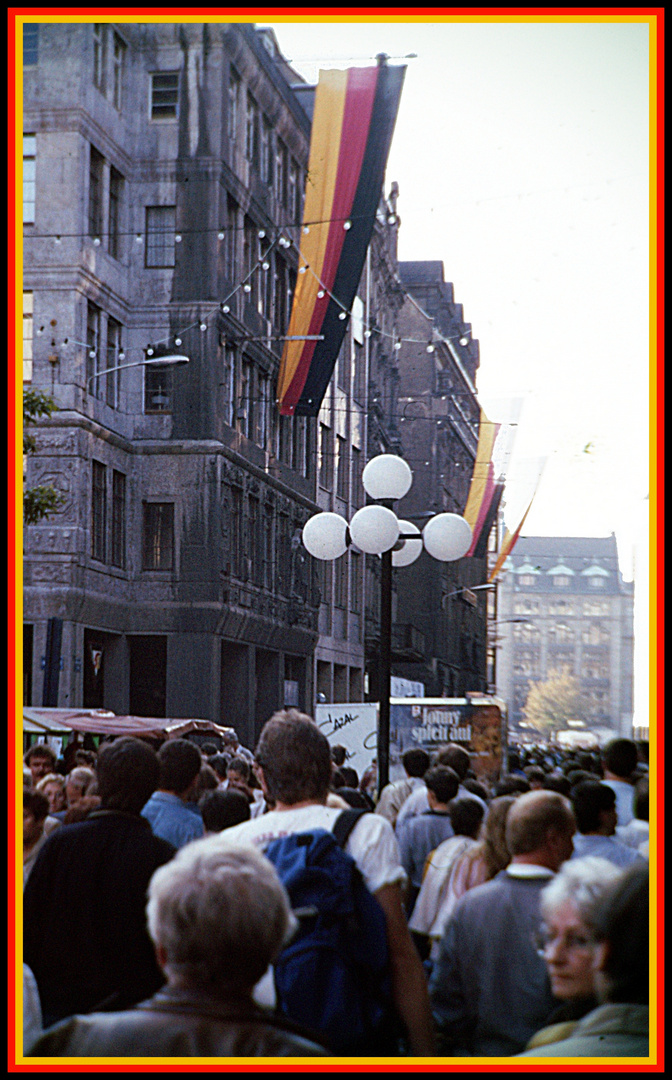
442,784
337,778
230,741
619,758
567,907
294,758
466,816
218,916
338,755
208,749
535,776
476,788
557,781
495,851
238,771
578,776
220,763
128,773
455,756
511,785
35,810
180,763
640,802
594,806
86,758
78,783
53,786
622,934
349,775
539,829
415,761
41,760
207,781
355,798
222,809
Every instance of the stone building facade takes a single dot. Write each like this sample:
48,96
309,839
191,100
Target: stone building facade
563,605
166,167
441,630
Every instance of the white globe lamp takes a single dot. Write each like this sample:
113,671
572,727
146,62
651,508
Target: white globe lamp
374,529
387,477
324,535
447,537
410,548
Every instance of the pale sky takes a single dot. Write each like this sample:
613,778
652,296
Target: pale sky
521,151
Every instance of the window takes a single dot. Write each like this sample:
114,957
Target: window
30,42
561,581
160,236
300,444
119,60
229,385
358,371
236,542
157,534
99,55
267,280
267,547
96,166
528,607
29,148
234,105
231,249
267,156
596,607
292,193
325,463
281,159
284,555
118,556
98,511
113,349
263,409
27,336
356,581
164,95
285,448
526,580
93,365
341,468
357,487
158,389
252,132
116,188
253,540
596,582
341,582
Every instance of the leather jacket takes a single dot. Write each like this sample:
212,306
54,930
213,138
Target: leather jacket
178,1023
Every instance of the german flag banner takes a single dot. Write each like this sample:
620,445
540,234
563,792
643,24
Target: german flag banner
487,482
353,120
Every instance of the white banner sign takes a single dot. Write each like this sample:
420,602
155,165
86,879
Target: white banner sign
352,726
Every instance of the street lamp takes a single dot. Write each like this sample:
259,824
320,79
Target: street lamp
376,530
170,359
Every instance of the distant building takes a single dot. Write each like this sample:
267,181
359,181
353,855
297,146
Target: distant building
563,605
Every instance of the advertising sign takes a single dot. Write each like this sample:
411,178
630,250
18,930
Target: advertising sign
476,723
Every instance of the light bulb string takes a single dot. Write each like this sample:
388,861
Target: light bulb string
369,328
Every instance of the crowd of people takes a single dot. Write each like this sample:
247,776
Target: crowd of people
230,903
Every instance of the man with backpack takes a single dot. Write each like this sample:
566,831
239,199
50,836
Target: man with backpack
352,969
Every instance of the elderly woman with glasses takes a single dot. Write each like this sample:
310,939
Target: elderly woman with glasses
568,906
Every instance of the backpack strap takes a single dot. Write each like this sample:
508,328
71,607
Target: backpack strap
345,823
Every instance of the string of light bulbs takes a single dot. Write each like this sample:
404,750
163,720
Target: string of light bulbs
263,264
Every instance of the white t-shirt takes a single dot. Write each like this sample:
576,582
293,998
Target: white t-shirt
372,843
418,803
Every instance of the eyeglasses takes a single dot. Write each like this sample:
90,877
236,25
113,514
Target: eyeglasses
571,941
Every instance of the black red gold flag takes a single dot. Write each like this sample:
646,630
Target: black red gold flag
353,120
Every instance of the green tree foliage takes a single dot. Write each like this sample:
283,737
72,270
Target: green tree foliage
43,499
553,703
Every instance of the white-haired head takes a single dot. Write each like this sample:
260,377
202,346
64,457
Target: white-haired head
584,882
219,914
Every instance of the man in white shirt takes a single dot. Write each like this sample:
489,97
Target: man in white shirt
294,768
455,757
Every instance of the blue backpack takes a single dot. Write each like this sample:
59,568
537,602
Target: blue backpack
333,977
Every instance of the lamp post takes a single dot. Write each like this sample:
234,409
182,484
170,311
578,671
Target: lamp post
170,359
376,530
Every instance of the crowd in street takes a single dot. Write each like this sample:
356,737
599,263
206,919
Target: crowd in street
196,901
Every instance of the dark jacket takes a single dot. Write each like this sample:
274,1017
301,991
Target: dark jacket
178,1023
85,936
